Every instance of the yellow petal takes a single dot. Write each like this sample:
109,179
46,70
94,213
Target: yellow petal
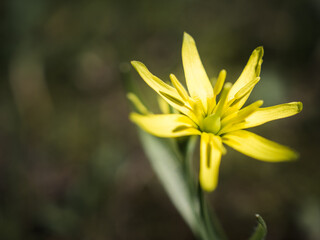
163,105
258,147
165,125
137,103
210,156
198,83
154,82
263,115
249,74
167,92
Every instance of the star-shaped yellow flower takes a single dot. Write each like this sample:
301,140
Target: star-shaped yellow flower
216,122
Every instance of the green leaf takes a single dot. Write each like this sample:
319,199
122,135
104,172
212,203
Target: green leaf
166,161
173,170
261,230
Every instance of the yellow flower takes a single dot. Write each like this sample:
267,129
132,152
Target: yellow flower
216,122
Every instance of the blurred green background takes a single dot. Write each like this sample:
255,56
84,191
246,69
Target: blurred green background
71,165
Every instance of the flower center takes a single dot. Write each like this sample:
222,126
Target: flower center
212,124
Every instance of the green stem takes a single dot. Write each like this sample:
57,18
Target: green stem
191,145
210,219
208,225
213,228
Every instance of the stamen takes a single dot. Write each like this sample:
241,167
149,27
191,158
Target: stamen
239,117
221,104
211,103
220,81
178,86
246,88
197,108
228,118
232,127
245,112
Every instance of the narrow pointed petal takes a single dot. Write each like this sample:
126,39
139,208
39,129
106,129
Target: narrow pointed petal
163,105
258,147
210,156
154,82
165,125
137,103
250,72
263,115
167,92
198,83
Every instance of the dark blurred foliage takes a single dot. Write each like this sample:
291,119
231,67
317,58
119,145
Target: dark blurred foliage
71,166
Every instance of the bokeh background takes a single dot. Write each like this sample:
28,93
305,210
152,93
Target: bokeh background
71,165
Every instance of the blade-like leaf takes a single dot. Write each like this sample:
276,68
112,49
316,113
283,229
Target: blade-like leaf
166,162
170,167
261,229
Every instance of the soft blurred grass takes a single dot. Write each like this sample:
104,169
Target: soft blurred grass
71,166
